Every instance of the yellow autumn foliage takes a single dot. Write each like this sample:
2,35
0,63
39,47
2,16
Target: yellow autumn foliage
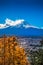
11,53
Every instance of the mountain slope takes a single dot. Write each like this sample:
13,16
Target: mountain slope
20,28
21,31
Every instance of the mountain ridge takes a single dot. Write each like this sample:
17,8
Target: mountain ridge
18,28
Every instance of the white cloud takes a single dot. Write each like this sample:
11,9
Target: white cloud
14,23
28,26
17,23
3,26
9,22
41,27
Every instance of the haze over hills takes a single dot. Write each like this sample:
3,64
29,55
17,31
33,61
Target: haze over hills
19,28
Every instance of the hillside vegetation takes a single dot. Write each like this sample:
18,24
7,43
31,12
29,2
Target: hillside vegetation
11,53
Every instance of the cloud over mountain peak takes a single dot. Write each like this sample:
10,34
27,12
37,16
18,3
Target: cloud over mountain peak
14,23
17,23
9,22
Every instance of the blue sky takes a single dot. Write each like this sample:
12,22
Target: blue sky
29,10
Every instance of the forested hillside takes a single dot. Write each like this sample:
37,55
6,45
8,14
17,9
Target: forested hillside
11,53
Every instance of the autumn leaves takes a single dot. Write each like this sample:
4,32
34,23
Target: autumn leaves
12,53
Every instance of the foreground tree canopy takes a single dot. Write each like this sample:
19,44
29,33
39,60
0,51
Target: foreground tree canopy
11,53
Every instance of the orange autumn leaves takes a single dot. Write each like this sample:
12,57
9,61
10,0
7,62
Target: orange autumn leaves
11,53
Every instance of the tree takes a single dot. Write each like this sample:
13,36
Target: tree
13,53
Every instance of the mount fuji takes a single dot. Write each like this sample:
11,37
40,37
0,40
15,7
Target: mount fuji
20,28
